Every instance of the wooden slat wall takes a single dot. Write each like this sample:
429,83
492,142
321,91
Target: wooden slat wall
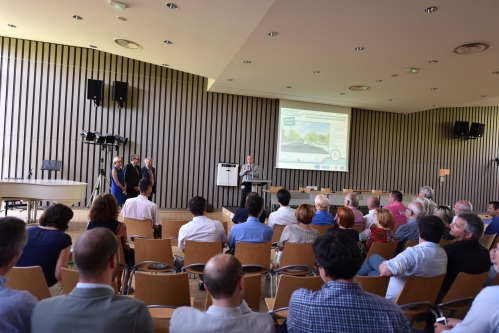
187,131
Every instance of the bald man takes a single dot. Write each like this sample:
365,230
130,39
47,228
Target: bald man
224,281
248,171
461,206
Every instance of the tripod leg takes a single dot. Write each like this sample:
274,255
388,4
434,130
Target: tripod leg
95,192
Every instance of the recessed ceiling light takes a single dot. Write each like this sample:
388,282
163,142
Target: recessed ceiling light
117,5
430,10
412,70
11,25
358,88
77,17
495,73
93,46
342,93
391,100
433,88
121,18
360,48
273,34
167,41
171,5
432,61
165,65
289,87
471,48
247,62
483,96
317,72
435,104
378,81
395,75
128,44
230,79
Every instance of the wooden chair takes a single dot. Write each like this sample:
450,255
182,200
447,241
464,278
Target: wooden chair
487,240
418,295
396,227
171,229
69,279
255,258
385,250
321,228
30,279
348,190
252,289
164,291
410,243
225,224
444,242
494,244
126,270
275,189
138,228
377,285
287,285
197,255
276,236
360,227
462,292
377,191
297,259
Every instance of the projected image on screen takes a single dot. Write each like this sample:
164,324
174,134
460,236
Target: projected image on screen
313,140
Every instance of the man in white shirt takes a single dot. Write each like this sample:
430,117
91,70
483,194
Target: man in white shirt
140,208
372,205
285,215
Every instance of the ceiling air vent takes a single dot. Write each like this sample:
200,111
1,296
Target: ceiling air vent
127,44
471,48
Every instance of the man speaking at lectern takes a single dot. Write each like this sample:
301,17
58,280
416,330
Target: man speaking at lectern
248,171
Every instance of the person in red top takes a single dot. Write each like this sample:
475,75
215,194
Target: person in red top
396,207
379,232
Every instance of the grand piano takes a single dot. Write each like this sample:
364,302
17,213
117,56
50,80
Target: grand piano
66,192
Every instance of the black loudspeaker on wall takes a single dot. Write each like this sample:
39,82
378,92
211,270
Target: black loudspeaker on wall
476,130
461,129
120,92
95,90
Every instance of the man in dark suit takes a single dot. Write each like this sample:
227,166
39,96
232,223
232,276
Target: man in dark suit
133,176
92,306
148,172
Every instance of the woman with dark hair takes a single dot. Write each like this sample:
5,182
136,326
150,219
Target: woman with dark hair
345,217
302,232
49,246
446,215
379,232
104,214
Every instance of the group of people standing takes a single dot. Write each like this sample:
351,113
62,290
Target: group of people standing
125,182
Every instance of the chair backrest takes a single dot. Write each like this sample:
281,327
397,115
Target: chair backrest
360,227
252,288
420,289
276,236
275,188
487,240
377,285
30,279
200,252
138,227
225,224
385,250
69,279
396,227
377,191
162,289
289,283
121,253
321,228
253,253
295,253
465,285
171,227
494,244
410,243
348,190
444,242
153,250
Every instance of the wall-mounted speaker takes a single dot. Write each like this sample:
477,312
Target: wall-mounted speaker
461,129
120,91
95,90
476,130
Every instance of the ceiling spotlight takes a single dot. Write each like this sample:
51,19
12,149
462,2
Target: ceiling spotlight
230,79
430,10
11,25
379,81
495,73
167,42
273,34
433,88
117,5
435,104
483,96
412,70
121,18
358,88
77,17
247,62
432,61
171,5
93,46
317,72
289,87
165,65
360,48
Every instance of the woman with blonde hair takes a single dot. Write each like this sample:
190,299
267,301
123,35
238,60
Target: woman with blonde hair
446,215
380,231
118,184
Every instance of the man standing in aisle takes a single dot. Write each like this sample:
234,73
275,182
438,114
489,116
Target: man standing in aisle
248,171
148,172
132,177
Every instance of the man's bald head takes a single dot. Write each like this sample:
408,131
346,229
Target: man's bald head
221,275
93,250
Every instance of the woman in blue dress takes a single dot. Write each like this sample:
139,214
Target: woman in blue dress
118,185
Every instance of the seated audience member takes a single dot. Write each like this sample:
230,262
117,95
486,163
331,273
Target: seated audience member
104,214
15,306
200,229
426,259
345,219
483,316
380,232
92,306
251,231
339,258
241,214
462,206
140,208
351,201
302,232
224,281
285,215
409,231
466,254
322,216
49,246
494,255
426,205
447,216
493,210
372,205
396,207
428,193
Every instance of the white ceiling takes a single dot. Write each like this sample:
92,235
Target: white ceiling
212,38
